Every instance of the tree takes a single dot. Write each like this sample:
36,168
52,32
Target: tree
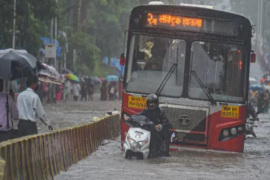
31,20
96,29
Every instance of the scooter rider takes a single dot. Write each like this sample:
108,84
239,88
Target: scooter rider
251,111
155,114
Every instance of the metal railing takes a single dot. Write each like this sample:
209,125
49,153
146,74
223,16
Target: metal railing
44,156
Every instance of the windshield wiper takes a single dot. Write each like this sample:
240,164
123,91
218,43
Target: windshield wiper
210,97
165,80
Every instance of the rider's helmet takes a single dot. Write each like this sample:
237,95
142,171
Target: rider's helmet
152,101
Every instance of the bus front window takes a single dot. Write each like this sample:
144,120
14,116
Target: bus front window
220,68
150,60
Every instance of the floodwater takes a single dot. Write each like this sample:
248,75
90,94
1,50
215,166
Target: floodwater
108,163
66,114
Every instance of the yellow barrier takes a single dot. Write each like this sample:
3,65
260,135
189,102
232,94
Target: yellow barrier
44,156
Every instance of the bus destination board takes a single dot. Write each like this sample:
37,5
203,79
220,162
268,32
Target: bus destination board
173,21
176,22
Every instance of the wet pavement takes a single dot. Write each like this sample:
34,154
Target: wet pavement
66,114
108,163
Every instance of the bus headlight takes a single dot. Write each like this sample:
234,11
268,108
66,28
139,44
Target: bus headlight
240,128
225,133
233,131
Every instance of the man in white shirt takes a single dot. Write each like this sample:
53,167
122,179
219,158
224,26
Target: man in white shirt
30,107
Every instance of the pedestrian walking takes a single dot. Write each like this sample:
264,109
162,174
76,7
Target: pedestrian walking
45,90
266,99
83,92
30,107
76,91
8,110
67,90
112,91
103,91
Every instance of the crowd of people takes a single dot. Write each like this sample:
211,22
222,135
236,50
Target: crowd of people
83,90
80,91
260,95
261,99
32,93
108,91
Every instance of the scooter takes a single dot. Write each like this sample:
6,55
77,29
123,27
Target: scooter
137,140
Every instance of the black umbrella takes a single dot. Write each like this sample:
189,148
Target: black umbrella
16,64
67,71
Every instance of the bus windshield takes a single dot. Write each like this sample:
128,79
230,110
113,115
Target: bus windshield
220,68
149,61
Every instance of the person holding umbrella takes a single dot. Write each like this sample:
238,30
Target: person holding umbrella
112,91
6,113
30,107
15,64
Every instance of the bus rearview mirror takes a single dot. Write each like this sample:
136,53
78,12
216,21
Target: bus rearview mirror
122,59
252,57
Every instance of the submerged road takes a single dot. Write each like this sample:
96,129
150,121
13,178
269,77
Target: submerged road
108,163
66,114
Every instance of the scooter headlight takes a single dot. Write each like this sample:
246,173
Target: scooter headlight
142,143
129,139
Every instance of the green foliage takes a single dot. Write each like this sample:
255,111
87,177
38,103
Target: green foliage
32,20
87,50
95,30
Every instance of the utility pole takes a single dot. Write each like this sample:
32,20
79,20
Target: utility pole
262,22
55,42
258,26
14,26
55,60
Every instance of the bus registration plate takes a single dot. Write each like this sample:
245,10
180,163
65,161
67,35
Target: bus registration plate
230,111
136,102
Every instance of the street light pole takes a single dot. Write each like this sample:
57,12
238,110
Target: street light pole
55,63
14,25
55,60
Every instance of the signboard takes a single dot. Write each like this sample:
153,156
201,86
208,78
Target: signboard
176,22
137,102
173,21
50,51
230,112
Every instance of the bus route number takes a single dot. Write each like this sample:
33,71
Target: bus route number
136,102
230,112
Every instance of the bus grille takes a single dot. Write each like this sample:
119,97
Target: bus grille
186,119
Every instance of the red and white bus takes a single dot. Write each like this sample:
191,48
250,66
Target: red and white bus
197,61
